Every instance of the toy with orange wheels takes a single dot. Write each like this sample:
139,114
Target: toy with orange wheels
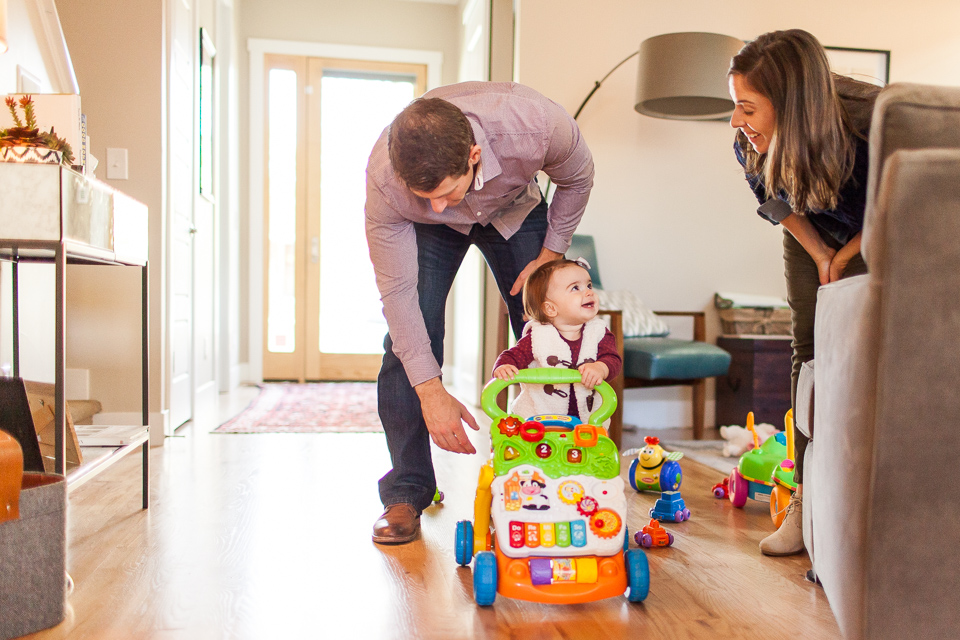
765,472
550,512
784,484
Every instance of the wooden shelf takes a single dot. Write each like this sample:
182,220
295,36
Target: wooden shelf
97,459
53,214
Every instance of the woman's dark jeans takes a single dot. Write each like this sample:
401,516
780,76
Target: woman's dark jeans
440,250
803,282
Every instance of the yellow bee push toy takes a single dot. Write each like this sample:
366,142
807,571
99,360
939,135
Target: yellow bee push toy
655,469
550,512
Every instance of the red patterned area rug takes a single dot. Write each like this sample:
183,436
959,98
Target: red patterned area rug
322,407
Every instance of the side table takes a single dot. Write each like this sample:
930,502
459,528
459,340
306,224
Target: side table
758,380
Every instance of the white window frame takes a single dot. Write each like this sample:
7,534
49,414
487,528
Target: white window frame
258,49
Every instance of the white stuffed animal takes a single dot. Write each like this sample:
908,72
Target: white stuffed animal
739,440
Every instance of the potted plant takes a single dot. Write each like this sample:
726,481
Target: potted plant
25,142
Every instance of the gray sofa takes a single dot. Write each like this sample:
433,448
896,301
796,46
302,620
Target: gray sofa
881,494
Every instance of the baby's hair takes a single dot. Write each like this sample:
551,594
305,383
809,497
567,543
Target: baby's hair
535,288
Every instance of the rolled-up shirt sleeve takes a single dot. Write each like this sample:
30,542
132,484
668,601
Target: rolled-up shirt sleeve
569,164
392,240
774,209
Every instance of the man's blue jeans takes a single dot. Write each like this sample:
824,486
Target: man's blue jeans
440,250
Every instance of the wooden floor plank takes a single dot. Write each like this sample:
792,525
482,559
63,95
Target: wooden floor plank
268,536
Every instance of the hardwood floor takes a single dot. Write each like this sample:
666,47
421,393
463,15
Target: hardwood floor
268,536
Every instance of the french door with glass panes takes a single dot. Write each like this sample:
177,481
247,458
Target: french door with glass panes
322,311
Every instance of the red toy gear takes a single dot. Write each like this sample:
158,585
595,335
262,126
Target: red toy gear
587,506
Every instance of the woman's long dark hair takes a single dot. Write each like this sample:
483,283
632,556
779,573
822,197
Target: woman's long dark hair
813,147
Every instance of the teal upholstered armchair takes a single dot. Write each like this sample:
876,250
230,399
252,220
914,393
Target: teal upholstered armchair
657,361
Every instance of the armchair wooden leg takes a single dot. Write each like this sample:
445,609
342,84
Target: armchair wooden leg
699,408
616,420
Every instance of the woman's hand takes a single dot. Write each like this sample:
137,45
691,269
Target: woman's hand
825,264
505,372
809,238
593,373
843,257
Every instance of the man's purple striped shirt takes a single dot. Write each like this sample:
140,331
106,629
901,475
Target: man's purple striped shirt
520,133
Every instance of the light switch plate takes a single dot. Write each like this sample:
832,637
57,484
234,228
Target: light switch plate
116,164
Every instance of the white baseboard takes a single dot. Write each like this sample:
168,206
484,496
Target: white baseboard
246,374
662,408
236,376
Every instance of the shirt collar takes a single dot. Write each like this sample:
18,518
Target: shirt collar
488,167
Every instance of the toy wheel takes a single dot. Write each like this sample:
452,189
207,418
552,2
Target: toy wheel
464,543
686,513
485,578
671,477
678,516
646,541
779,499
632,475
738,489
638,575
669,538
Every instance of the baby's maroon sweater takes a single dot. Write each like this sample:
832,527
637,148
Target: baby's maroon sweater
521,356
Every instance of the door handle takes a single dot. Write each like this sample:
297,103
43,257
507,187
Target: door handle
315,249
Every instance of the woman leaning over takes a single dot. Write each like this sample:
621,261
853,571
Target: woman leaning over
802,141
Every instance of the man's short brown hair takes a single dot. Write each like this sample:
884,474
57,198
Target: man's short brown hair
430,141
535,288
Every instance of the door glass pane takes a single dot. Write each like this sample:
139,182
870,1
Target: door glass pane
354,109
282,210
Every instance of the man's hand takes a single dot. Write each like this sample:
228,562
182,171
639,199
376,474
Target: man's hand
444,416
593,373
505,372
546,255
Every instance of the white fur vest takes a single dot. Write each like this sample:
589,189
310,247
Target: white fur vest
551,350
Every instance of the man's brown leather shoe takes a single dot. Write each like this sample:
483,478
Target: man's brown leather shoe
399,523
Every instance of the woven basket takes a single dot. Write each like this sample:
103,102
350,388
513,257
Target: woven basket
753,321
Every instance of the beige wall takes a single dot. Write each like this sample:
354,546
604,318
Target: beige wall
672,217
117,50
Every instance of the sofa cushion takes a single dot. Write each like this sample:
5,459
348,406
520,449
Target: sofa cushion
671,358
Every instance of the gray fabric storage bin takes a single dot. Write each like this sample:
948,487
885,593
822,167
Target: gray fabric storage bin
33,558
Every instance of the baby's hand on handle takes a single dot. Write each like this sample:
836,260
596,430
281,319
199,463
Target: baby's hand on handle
593,373
505,372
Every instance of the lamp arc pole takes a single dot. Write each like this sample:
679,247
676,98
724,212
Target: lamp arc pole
596,86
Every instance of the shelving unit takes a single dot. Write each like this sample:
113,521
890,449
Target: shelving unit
52,214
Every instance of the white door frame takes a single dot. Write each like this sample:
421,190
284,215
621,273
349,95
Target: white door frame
259,48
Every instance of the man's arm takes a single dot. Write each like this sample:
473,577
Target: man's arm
393,250
569,164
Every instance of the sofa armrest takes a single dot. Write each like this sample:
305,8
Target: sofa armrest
803,416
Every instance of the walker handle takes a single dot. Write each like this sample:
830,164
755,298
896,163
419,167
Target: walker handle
547,375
